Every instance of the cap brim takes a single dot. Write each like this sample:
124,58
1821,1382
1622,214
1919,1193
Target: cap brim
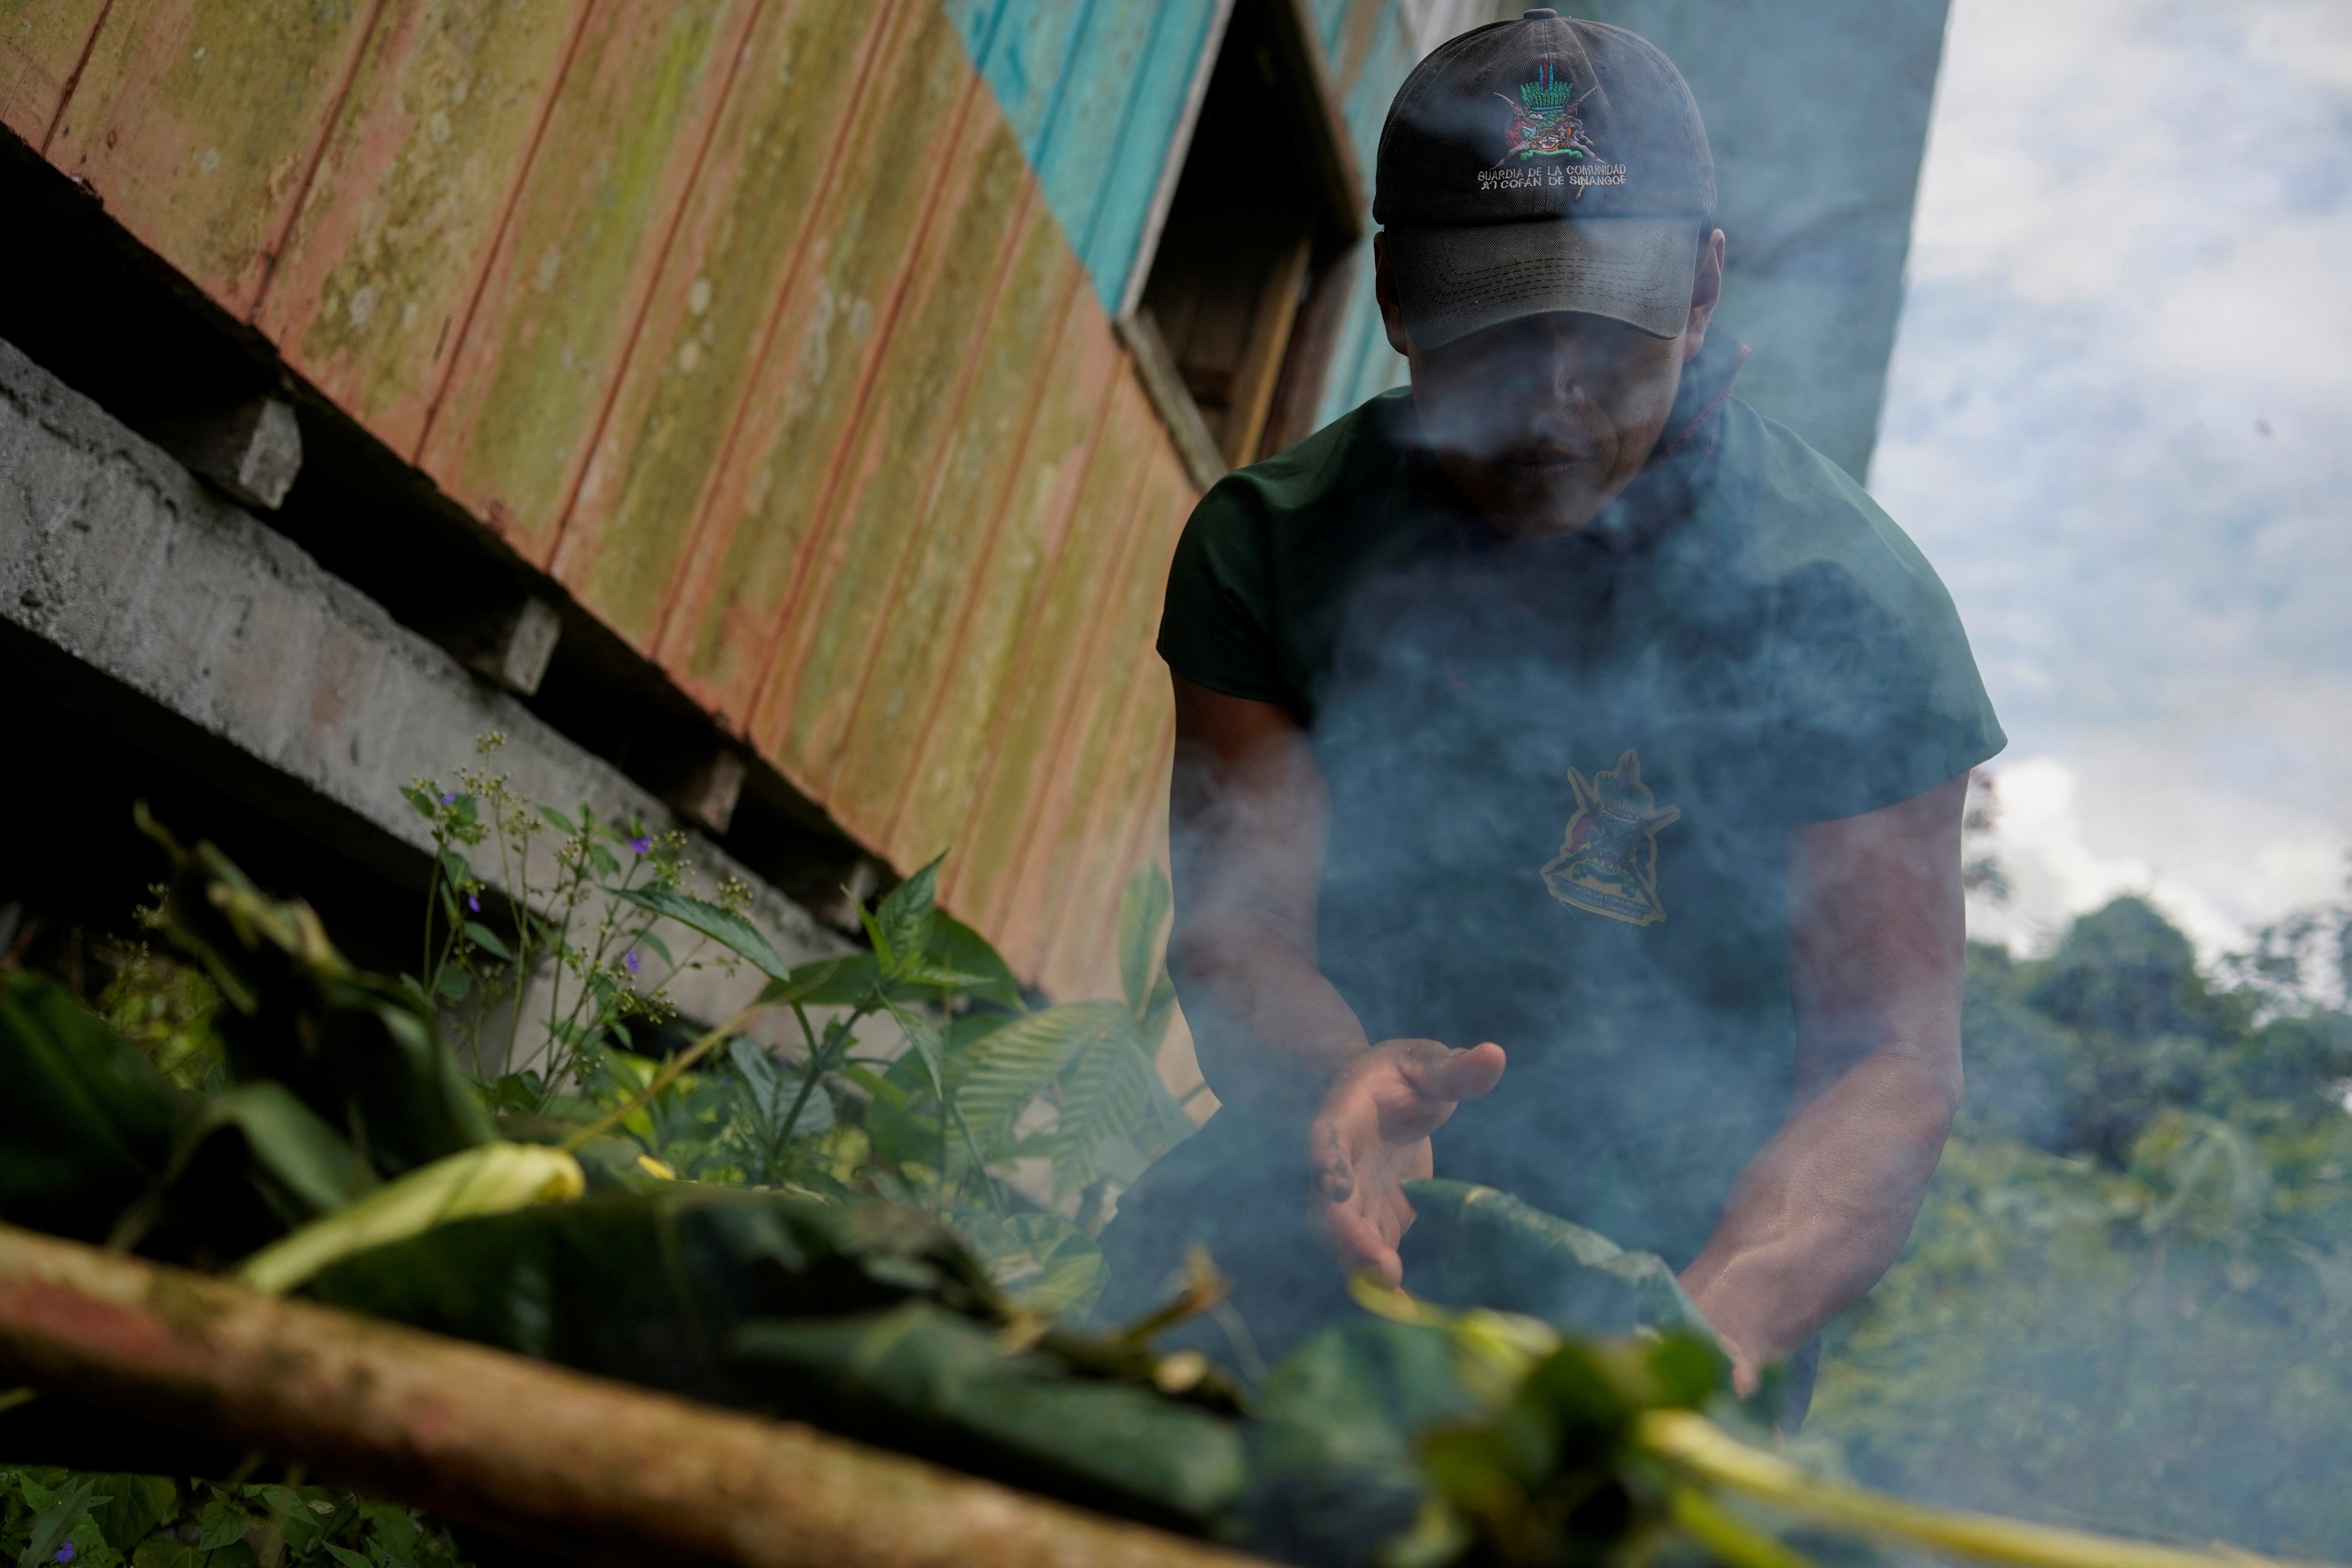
1452,283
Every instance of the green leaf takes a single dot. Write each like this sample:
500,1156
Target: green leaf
1143,911
658,948
1009,1068
223,1525
1026,1416
85,1124
880,1088
902,922
955,946
845,981
603,860
454,867
922,975
723,926
924,1036
452,984
557,820
346,1556
1107,1094
1483,1248
1042,1260
486,938
68,1507
258,1133
1157,1012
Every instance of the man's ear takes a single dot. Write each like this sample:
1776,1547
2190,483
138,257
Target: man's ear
1706,287
1384,290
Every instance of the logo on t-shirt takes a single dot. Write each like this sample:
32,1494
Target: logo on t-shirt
1608,859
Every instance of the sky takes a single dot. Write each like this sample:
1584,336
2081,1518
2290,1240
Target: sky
2117,422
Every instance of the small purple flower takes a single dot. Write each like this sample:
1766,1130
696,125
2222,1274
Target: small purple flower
632,961
450,799
643,844
473,904
64,1554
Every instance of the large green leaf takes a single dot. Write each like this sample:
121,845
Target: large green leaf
725,927
1333,1448
929,1382
85,1124
956,946
1476,1247
1110,1093
1143,911
645,1287
1012,1066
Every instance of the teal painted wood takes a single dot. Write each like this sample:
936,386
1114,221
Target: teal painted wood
1364,365
1121,180
1024,56
1095,90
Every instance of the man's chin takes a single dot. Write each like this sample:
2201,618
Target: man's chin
1542,511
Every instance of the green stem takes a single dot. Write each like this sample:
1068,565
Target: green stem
820,1061
1705,1451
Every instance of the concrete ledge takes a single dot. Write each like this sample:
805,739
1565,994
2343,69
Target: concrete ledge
114,554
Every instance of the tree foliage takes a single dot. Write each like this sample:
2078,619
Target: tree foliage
2125,1301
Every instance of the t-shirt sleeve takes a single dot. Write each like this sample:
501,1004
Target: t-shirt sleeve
1217,628
1877,697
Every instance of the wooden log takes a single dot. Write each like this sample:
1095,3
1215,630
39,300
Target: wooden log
593,1470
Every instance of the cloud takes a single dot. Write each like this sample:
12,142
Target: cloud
2115,422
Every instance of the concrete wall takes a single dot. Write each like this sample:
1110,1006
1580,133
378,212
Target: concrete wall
112,554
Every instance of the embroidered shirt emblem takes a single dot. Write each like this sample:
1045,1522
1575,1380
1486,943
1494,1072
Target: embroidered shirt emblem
1545,124
1608,859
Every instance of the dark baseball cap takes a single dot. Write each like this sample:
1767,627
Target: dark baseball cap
1543,164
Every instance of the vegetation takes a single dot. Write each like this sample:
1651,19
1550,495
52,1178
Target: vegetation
2134,1261
2125,1302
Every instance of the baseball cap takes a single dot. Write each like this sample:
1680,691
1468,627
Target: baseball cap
1547,163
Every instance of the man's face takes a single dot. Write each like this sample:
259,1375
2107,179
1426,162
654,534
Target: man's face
1543,420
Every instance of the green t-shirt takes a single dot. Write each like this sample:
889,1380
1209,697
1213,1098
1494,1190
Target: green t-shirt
1562,772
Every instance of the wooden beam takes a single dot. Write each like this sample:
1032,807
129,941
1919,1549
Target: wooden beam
592,1470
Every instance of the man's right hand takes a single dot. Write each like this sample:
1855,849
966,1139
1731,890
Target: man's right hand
1371,1136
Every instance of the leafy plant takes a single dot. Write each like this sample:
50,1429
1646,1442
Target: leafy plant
50,1517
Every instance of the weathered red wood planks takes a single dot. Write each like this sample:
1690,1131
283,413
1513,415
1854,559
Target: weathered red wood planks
758,222
748,319
199,122
628,132
379,272
42,44
939,759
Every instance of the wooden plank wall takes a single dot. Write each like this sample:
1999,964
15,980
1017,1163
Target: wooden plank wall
778,330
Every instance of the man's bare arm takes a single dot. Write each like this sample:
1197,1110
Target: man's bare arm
1877,946
1249,812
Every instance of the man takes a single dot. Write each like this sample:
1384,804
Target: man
1562,712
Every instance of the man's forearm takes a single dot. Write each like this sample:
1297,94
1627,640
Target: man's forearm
1826,1207
1270,1031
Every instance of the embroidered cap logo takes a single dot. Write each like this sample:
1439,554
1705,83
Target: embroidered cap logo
1544,122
